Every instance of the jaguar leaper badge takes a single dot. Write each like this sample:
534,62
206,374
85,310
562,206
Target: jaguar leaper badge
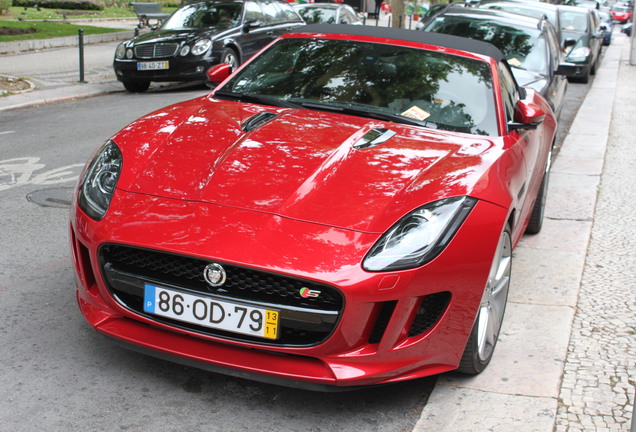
214,275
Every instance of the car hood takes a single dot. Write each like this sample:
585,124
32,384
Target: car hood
167,36
299,164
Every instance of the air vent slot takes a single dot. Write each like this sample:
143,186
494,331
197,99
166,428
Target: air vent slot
382,321
257,120
373,138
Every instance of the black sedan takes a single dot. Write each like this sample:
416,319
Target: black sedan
581,29
530,45
199,35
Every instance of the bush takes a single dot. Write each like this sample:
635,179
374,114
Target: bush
4,6
59,4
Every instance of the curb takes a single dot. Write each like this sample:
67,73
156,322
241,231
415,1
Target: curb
38,44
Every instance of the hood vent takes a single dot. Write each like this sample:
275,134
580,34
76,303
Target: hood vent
373,138
257,120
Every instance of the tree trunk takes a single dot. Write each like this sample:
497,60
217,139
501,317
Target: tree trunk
398,20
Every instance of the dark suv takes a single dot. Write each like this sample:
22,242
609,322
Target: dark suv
199,35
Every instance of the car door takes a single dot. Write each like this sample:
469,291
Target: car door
256,31
525,143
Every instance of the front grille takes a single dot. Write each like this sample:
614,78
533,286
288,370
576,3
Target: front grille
156,51
303,321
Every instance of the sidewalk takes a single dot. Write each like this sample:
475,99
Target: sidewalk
566,356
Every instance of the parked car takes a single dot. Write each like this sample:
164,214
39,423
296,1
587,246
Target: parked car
627,29
199,35
534,9
327,13
582,28
340,211
607,26
621,13
530,45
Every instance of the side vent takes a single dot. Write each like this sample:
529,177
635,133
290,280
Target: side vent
431,310
382,321
257,120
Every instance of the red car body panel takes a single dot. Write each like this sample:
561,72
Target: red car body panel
295,198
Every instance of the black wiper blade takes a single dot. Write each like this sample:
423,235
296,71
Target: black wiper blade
255,98
380,115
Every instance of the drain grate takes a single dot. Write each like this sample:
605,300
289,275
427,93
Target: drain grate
60,197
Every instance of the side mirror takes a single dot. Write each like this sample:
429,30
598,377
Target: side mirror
527,116
219,73
251,24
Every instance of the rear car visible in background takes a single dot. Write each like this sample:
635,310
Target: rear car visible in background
199,35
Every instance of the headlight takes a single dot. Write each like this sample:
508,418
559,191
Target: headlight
98,185
129,53
120,52
419,236
184,51
578,54
201,46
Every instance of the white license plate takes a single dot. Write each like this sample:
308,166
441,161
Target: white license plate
157,65
211,312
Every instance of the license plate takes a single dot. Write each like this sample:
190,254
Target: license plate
211,312
157,65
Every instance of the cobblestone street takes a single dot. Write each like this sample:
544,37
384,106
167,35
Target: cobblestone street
597,391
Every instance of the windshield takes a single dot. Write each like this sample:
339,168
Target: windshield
573,20
360,78
530,11
201,15
524,48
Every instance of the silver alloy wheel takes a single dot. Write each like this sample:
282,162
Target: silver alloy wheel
230,58
493,301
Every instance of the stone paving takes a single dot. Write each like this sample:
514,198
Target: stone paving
599,378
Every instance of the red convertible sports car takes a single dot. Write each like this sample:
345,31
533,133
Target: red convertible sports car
340,211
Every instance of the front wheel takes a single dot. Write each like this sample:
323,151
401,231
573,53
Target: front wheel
136,86
229,56
485,332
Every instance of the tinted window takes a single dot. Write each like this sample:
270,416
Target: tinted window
448,92
253,12
509,92
315,15
273,15
199,15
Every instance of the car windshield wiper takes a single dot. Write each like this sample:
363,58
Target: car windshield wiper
255,98
365,112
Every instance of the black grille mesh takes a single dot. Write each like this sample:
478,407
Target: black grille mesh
245,283
431,310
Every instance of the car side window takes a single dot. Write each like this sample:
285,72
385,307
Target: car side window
253,12
509,92
288,13
273,15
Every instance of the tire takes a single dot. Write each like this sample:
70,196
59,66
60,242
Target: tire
231,57
136,86
483,337
536,218
593,68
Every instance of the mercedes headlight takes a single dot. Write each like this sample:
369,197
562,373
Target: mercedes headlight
98,185
419,236
201,46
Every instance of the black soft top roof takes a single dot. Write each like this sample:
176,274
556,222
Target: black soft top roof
430,38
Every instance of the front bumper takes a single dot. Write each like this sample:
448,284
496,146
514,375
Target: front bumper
575,70
373,340
180,69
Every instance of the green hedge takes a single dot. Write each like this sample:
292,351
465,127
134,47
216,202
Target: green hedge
59,4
